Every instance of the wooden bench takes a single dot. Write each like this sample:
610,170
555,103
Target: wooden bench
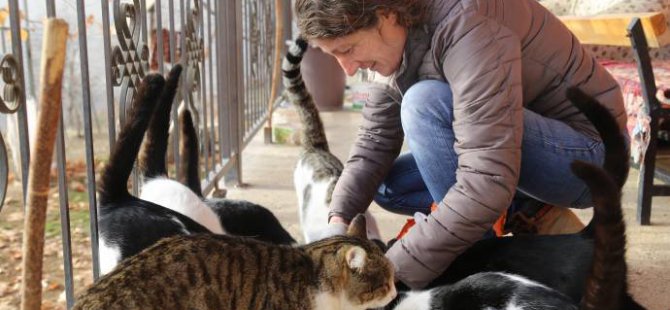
639,31
612,29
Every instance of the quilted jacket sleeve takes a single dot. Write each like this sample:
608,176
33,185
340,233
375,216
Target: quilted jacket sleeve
379,142
481,60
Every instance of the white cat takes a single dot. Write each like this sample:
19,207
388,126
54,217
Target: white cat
313,200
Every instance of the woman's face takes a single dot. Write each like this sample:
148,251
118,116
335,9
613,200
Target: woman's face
378,48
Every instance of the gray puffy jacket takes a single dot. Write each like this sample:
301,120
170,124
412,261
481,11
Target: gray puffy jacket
498,57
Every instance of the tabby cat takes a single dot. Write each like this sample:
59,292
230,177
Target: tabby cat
224,272
599,250
317,170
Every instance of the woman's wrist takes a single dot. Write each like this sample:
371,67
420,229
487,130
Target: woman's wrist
337,219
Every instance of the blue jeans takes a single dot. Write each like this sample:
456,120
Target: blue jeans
426,173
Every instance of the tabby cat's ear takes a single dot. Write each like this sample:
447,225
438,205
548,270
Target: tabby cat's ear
357,227
355,257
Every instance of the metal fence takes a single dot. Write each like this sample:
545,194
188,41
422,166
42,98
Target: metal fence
226,48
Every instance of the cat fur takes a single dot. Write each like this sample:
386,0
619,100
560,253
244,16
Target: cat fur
317,170
228,273
127,224
595,265
157,187
237,217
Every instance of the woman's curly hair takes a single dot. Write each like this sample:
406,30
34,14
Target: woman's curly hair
335,18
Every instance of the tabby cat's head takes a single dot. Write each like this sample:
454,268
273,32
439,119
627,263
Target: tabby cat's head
359,274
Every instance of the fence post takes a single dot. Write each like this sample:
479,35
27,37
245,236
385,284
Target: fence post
17,50
276,79
51,79
240,100
234,88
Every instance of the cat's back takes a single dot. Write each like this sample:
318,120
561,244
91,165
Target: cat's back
493,291
206,272
177,197
245,218
322,164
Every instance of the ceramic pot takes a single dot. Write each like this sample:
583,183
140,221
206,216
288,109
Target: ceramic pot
324,78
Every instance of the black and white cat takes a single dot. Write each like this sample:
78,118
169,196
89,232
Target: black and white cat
317,170
157,187
235,217
485,291
600,272
239,217
127,224
166,207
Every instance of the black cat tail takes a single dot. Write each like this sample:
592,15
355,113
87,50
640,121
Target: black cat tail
114,180
616,150
607,277
606,284
151,160
313,135
188,149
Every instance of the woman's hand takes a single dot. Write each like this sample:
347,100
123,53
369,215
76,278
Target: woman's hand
336,226
337,219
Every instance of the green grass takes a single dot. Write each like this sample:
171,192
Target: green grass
75,196
281,135
10,206
6,225
78,219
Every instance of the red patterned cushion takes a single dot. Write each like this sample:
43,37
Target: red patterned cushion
638,119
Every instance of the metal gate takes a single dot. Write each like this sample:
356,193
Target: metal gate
226,48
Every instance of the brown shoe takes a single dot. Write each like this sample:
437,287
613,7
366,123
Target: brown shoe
546,220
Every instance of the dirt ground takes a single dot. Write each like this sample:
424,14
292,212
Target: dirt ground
267,175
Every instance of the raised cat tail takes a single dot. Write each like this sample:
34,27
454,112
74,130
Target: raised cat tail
151,160
188,148
606,281
313,134
114,180
607,277
616,150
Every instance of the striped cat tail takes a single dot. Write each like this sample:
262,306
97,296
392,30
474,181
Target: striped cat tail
151,160
114,180
188,149
313,134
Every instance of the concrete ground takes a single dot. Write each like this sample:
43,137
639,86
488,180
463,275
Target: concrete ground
268,176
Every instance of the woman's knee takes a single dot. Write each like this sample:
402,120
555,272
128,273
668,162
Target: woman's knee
427,101
406,204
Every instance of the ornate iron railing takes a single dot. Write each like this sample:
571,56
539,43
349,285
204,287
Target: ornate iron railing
9,103
226,48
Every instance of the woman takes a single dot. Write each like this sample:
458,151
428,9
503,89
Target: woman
478,88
